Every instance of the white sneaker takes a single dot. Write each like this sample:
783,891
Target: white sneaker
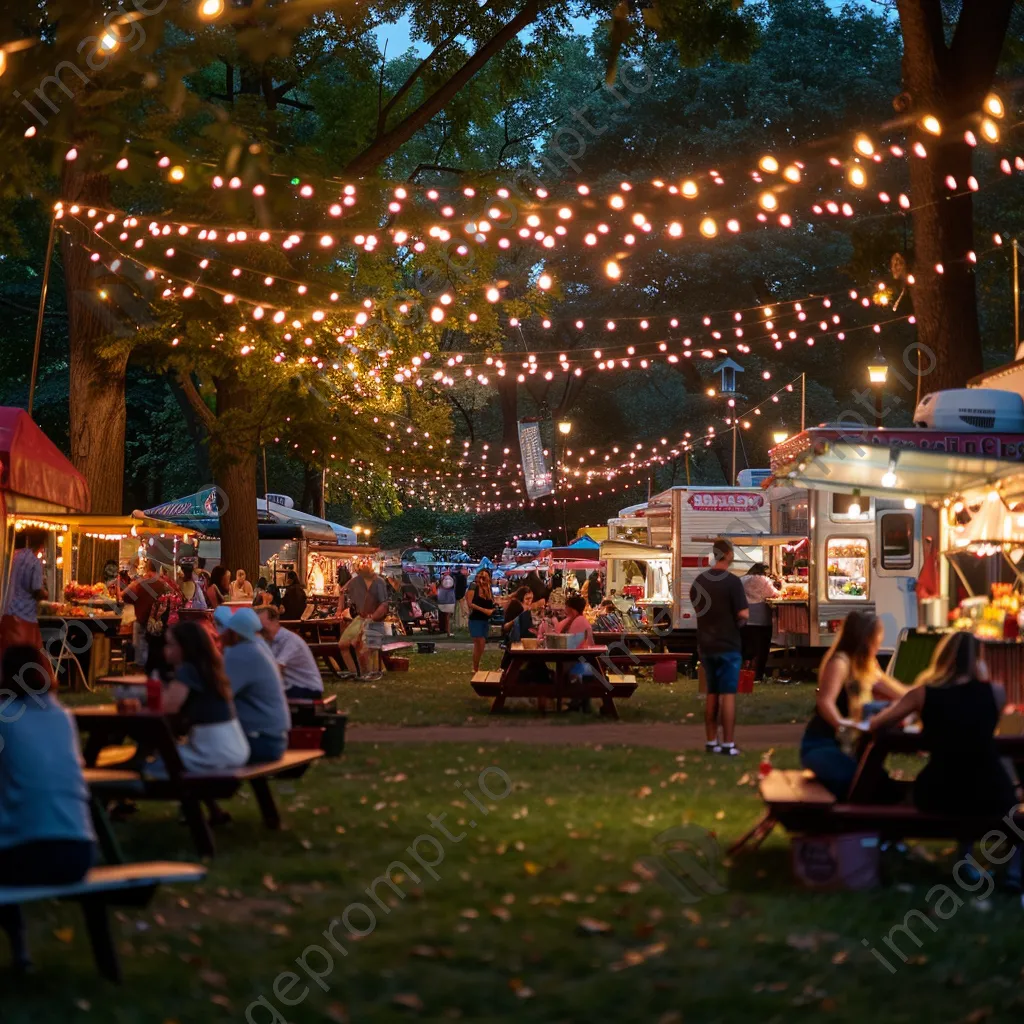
729,750
712,747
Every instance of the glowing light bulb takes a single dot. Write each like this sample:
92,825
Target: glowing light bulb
990,130
792,173
708,227
689,189
857,177
210,9
109,41
768,164
544,282
863,145
994,105
767,201
613,270
176,173
931,124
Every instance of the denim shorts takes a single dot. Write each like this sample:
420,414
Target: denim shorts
722,671
479,628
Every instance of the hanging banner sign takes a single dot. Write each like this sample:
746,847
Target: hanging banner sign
535,467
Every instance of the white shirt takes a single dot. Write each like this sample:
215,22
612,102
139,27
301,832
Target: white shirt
26,579
298,666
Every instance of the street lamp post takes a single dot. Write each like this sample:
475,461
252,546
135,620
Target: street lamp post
565,429
878,371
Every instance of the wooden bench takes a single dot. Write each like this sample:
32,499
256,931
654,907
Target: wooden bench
796,800
329,654
122,885
489,684
192,788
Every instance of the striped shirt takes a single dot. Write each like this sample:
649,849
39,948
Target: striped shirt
26,578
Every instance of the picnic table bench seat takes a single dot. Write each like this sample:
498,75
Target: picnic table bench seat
191,788
487,684
796,800
117,885
320,703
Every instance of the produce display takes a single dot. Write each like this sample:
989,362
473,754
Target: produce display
66,610
793,592
85,592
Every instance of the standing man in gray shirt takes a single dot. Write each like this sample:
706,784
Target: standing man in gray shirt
367,593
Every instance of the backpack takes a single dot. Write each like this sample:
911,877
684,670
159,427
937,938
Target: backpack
164,613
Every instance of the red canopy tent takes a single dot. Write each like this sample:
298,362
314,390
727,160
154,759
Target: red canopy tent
34,475
35,479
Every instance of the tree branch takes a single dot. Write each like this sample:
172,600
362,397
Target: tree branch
465,415
204,413
388,142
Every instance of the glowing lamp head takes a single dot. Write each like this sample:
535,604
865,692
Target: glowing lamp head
878,369
931,124
564,427
778,436
889,479
989,130
176,173
109,41
209,10
855,510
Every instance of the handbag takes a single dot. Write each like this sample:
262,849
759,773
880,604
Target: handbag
353,631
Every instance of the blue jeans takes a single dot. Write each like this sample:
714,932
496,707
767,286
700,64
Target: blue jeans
832,768
722,672
267,747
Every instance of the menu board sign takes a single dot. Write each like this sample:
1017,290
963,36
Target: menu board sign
725,501
535,467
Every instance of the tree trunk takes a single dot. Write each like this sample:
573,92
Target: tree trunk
312,490
949,82
97,385
234,447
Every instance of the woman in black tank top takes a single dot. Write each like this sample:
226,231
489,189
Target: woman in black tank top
849,677
960,711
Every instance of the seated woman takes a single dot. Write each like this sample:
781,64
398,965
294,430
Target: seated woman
848,678
575,620
201,692
46,834
959,710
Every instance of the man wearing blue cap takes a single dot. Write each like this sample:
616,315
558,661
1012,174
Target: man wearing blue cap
255,682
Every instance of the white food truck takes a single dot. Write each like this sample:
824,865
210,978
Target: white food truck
672,535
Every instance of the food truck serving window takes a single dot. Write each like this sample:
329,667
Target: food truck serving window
896,531
847,567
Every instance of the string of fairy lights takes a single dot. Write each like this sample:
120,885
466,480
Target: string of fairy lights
336,221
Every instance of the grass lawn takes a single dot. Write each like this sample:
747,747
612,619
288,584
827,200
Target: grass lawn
436,691
540,912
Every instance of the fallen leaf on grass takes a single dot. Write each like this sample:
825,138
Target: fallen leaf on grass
509,898
425,952
280,929
501,913
522,990
678,777
633,957
64,934
531,868
719,815
630,888
337,1013
83,1004
643,791
213,978
269,883
305,844
408,1000
803,943
469,912
691,915
592,926
641,869
221,1000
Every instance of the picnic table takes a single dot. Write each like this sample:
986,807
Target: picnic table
152,732
598,684
80,645
797,801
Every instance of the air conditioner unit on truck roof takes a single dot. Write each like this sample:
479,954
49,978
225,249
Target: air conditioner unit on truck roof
965,409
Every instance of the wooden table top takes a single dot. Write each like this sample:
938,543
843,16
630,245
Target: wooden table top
134,679
110,711
554,652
